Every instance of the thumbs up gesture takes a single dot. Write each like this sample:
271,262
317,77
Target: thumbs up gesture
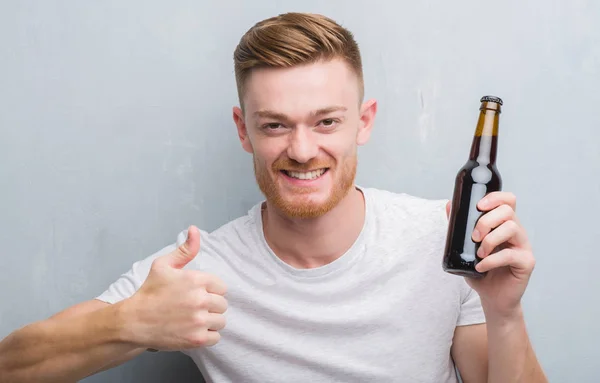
177,309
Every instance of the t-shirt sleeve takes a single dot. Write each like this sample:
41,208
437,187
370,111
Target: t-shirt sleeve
471,311
128,283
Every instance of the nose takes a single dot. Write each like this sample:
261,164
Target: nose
302,146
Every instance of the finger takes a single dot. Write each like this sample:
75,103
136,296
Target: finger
217,304
216,322
508,232
209,282
214,285
448,205
491,220
212,338
186,252
521,262
496,199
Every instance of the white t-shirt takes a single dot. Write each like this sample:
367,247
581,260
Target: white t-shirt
385,311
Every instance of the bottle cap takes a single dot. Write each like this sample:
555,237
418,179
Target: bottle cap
497,100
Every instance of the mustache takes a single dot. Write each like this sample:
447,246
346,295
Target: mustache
295,166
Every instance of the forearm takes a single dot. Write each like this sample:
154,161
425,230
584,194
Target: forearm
64,350
511,356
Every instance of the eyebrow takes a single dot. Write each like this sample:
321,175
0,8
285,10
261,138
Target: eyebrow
280,116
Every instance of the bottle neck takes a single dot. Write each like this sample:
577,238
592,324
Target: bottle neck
485,141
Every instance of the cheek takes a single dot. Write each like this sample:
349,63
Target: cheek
340,147
268,150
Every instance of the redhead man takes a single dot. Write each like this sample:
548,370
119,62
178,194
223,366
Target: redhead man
324,280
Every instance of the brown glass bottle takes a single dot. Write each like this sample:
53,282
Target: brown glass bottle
478,177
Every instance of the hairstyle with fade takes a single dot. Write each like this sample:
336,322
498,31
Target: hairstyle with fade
292,39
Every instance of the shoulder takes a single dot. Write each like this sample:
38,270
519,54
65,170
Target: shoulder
411,225
408,225
235,235
403,221
395,205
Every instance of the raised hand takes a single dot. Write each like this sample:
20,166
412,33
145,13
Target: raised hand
506,253
176,308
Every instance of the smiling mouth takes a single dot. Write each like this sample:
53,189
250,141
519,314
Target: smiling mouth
311,175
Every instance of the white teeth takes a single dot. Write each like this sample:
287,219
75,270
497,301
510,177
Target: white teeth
308,175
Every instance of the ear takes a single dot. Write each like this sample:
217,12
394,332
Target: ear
238,118
367,119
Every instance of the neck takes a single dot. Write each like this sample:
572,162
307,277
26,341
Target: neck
315,242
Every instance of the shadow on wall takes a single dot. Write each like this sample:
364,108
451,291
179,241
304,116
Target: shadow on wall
152,368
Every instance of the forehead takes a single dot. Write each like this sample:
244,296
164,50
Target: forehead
298,90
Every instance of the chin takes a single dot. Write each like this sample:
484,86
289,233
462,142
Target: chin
310,205
303,202
304,211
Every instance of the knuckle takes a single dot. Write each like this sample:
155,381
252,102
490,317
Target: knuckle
214,279
508,210
202,301
200,320
195,278
220,321
198,338
483,224
487,244
205,279
219,305
512,225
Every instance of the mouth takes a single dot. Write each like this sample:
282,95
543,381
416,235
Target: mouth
309,175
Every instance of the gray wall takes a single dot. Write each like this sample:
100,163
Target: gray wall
110,113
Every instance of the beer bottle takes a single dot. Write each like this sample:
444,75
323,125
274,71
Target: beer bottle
478,177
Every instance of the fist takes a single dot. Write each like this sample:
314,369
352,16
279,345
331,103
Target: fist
177,309
506,255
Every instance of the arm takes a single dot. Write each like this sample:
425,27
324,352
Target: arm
469,352
511,357
67,347
497,352
508,260
174,309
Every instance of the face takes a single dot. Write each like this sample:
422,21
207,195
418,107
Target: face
303,125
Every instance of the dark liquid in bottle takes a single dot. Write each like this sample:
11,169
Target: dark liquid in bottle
474,180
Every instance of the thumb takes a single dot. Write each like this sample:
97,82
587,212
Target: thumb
186,251
448,205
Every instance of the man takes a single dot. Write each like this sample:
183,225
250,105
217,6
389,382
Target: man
324,281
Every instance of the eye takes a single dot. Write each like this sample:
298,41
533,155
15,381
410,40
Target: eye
272,126
329,122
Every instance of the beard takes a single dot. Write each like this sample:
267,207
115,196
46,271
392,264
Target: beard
299,204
